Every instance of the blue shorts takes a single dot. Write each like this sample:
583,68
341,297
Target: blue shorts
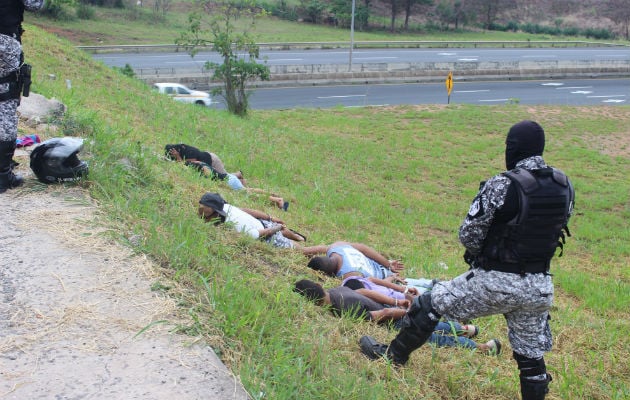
234,182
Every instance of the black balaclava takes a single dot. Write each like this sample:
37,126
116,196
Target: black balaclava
525,139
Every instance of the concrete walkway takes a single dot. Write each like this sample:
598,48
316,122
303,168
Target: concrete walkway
73,306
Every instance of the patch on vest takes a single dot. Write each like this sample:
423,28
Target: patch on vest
475,209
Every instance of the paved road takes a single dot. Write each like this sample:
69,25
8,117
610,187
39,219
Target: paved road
566,92
183,61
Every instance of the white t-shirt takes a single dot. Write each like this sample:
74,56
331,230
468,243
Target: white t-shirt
242,221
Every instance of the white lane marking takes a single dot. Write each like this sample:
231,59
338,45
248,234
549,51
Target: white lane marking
285,59
446,54
540,56
553,84
468,59
340,97
611,95
491,100
575,87
581,92
613,101
472,91
374,58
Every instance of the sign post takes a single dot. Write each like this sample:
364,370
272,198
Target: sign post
449,86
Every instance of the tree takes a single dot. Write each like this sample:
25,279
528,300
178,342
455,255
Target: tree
451,12
161,7
488,10
229,41
618,11
342,10
409,4
394,7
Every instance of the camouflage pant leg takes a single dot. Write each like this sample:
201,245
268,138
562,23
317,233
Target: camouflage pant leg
523,300
10,51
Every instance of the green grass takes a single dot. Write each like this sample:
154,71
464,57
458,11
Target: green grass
142,26
398,178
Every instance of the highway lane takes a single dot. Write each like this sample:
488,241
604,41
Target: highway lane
183,61
604,92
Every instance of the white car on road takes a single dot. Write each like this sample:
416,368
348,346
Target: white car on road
181,93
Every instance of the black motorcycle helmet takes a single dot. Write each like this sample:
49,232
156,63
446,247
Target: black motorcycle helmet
55,160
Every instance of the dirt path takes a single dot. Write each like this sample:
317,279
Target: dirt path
72,305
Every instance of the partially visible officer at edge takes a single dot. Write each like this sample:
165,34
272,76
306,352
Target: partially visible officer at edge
15,79
513,228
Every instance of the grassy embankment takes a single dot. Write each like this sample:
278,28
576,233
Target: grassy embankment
397,178
115,26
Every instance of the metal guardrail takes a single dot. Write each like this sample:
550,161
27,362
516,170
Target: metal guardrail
200,77
132,48
329,74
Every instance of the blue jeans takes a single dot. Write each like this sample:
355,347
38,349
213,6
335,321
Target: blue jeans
444,335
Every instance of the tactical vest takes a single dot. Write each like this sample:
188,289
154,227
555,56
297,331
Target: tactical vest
11,17
528,242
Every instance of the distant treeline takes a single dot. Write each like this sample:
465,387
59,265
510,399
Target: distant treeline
597,19
458,15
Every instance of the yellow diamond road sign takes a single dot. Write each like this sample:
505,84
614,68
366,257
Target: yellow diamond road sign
449,83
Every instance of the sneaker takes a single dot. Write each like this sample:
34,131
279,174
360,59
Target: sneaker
494,347
469,331
371,348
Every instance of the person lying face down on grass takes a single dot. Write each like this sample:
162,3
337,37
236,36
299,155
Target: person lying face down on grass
211,166
343,300
257,224
373,305
344,259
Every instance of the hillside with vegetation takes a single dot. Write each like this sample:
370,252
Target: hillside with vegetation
398,178
93,22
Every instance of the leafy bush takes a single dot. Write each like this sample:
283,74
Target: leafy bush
571,31
104,3
600,33
85,11
313,11
281,10
57,11
512,26
127,70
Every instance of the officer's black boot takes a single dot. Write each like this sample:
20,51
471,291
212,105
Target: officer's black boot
534,377
534,390
8,180
417,327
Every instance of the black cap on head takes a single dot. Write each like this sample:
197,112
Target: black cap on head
214,201
525,139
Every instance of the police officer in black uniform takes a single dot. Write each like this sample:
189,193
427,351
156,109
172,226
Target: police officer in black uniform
14,81
513,228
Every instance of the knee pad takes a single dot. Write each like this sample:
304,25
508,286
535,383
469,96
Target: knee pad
421,314
530,367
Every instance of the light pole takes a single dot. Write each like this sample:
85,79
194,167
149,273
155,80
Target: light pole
351,37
